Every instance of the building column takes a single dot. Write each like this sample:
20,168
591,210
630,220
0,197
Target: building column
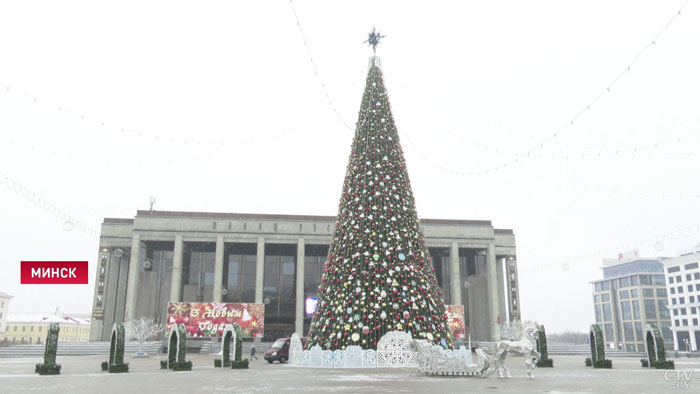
492,286
502,288
455,282
176,282
299,317
218,268
132,283
259,271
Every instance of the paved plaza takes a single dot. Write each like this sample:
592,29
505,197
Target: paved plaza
81,374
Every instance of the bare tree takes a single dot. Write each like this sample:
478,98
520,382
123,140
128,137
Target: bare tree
143,329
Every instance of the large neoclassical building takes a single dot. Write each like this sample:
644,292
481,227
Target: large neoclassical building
160,256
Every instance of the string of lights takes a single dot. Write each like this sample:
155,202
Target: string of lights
518,157
69,221
650,149
596,256
316,73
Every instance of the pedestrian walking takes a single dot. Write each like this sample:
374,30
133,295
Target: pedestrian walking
252,352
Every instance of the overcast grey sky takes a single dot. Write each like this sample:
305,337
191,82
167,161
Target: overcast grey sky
221,110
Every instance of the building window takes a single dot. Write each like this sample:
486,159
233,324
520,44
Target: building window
624,294
695,322
635,308
681,300
648,293
688,277
659,280
239,273
696,275
279,286
638,330
691,299
670,279
678,279
675,312
650,309
605,297
673,301
596,299
634,293
625,282
673,269
697,287
664,312
607,312
314,261
198,272
673,290
691,266
645,280
685,322
629,331
626,310
677,322
683,311
690,288
609,333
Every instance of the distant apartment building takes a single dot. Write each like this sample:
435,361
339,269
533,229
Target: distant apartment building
32,329
683,283
631,295
4,307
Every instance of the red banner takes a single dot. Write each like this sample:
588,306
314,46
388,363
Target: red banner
209,319
455,320
54,272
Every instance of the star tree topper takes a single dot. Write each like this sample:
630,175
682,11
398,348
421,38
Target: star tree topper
373,39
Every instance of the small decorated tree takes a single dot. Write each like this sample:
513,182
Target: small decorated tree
49,366
143,329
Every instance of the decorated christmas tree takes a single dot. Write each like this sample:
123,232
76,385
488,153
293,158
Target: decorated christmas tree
378,276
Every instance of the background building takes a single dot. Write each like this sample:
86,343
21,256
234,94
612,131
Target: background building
32,329
161,256
4,308
683,283
631,294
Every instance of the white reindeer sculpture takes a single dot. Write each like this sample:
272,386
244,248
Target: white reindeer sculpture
525,347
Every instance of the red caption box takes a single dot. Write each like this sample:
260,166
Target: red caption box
54,272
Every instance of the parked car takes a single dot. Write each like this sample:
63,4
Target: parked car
279,351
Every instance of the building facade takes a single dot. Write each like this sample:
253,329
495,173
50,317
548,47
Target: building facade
160,256
631,295
4,308
32,329
683,284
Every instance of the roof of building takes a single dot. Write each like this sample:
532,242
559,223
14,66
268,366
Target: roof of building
284,217
45,319
5,295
